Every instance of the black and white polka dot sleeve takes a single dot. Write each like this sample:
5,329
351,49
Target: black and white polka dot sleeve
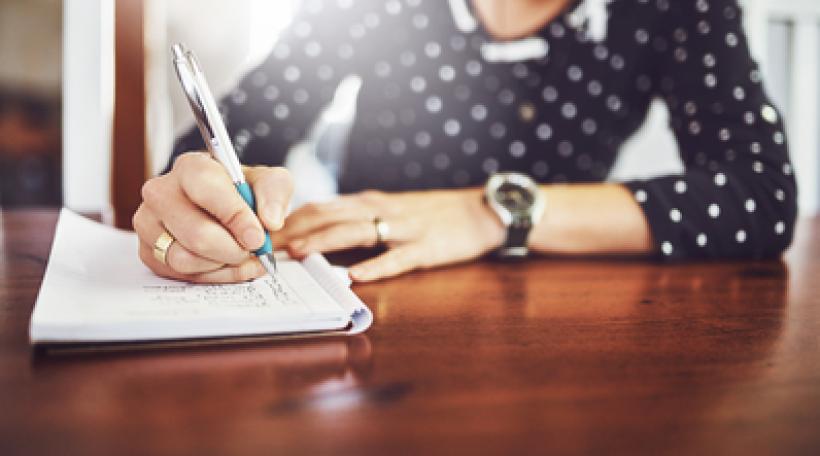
737,197
276,102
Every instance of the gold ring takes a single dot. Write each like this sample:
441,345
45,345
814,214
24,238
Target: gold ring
161,246
382,230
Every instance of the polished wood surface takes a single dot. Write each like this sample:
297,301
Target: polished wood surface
551,355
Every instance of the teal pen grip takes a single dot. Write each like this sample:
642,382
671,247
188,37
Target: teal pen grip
247,194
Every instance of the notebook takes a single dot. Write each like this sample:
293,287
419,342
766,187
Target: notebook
96,290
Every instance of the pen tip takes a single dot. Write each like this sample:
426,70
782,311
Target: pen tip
269,263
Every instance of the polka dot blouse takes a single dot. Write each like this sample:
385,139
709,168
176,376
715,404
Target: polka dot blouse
443,105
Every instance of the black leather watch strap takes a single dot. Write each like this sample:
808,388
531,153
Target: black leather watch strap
515,246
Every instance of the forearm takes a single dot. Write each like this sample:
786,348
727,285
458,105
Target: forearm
591,219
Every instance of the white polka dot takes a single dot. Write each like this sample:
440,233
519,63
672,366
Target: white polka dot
714,210
550,94
595,88
393,7
447,73
641,36
432,49
433,104
574,73
540,168
757,167
397,146
281,111
382,69
517,149
589,127
423,139
731,39
740,236
489,165
292,73
300,96
441,161
755,147
779,194
778,137
420,21
780,227
565,148
675,215
617,62
724,134
709,60
701,239
473,68
418,84
407,58
720,179
640,196
749,118
543,132
469,146
569,110
750,205
787,169
478,112
666,248
739,93
769,114
506,96
680,187
452,127
710,80
271,93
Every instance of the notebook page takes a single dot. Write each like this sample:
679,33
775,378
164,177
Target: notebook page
95,289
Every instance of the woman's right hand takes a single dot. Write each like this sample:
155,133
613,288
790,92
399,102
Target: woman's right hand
214,229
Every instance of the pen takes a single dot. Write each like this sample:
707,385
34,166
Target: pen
215,135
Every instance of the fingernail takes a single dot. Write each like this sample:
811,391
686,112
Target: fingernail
274,215
253,238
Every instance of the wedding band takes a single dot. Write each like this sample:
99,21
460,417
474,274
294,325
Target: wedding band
382,230
161,246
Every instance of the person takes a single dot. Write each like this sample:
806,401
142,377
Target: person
455,92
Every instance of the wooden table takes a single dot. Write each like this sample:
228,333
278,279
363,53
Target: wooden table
545,356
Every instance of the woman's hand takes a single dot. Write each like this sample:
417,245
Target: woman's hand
214,229
426,229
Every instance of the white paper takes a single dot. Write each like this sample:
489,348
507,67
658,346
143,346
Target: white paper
96,289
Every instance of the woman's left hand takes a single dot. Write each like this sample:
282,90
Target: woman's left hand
425,229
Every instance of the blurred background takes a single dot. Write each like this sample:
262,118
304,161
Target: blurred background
89,101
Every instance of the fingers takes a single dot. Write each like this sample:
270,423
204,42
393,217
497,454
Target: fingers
178,258
248,270
389,264
189,225
208,186
314,216
273,188
334,238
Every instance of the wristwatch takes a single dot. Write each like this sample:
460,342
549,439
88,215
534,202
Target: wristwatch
517,201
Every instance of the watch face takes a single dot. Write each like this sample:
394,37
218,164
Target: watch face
514,197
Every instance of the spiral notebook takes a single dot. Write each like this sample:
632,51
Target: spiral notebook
96,290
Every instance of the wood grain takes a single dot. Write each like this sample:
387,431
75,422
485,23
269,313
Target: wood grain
566,356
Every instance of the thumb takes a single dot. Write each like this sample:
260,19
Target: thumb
273,188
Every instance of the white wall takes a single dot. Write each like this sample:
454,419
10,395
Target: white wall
88,97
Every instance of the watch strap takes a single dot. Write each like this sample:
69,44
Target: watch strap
515,245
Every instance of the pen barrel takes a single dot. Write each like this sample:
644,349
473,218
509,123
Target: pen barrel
247,194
